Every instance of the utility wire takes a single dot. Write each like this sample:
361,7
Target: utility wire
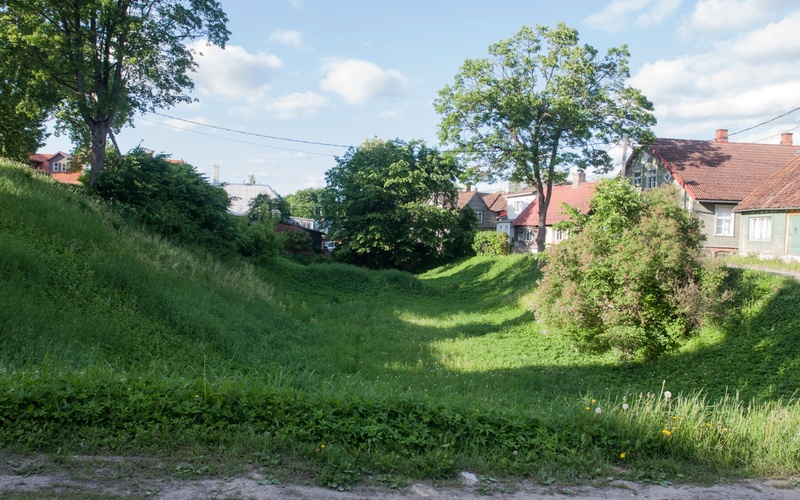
776,135
765,122
251,133
236,140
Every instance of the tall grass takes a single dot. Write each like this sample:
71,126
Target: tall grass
116,339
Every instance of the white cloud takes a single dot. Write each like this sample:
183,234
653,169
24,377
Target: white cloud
777,41
738,82
641,13
297,104
290,38
359,81
233,73
727,16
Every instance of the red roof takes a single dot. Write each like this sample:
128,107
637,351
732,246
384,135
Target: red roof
780,191
67,177
464,198
721,170
577,197
495,202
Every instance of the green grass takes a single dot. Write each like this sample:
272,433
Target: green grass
112,340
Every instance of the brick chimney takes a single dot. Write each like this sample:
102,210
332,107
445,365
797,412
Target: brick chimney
786,139
578,178
722,135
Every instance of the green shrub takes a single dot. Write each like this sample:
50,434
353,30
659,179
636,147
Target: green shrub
172,199
490,243
632,279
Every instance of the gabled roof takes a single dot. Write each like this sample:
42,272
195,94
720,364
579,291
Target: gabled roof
464,197
242,194
577,197
780,191
721,170
528,191
495,202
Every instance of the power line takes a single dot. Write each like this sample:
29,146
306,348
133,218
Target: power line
765,122
776,135
236,140
251,133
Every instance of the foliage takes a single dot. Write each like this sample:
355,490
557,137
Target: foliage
409,375
268,209
633,278
297,241
391,204
539,104
109,59
172,199
306,203
24,107
491,243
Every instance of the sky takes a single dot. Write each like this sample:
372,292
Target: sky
299,81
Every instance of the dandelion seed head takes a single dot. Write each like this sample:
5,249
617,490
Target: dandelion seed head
598,410
667,395
624,406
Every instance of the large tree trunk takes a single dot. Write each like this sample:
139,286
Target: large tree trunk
541,232
99,137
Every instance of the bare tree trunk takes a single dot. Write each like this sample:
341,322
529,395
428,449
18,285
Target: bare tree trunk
99,136
541,233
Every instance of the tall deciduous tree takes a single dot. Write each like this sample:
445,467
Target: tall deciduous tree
539,104
392,204
306,203
110,58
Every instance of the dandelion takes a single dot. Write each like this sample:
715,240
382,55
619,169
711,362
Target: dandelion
594,401
622,455
598,410
322,446
587,408
666,432
196,396
667,394
624,406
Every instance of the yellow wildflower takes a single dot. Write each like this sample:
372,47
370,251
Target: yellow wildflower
622,455
666,432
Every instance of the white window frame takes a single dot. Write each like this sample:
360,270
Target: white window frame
760,229
651,180
561,235
636,179
526,234
723,221
57,166
479,215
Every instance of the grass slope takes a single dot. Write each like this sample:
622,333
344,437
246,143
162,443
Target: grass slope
112,337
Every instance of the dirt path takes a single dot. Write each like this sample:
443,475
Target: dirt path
125,477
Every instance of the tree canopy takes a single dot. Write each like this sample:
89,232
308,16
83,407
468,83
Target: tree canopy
306,203
540,104
393,204
107,58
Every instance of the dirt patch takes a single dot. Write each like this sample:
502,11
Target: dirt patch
134,477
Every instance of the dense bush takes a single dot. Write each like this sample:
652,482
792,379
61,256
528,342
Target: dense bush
632,279
177,202
490,243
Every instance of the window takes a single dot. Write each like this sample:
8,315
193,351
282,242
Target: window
760,228
56,166
479,215
724,222
650,179
525,234
519,206
561,235
637,179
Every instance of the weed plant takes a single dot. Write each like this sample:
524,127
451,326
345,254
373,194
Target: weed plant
113,340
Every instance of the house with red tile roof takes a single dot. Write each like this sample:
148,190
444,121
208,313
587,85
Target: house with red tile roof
525,226
712,176
771,215
56,165
487,207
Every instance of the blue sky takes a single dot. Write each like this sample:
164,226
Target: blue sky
342,71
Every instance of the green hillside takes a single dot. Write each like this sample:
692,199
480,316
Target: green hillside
113,337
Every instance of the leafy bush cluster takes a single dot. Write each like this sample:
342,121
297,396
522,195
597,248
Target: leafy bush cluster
391,204
632,279
177,202
490,243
